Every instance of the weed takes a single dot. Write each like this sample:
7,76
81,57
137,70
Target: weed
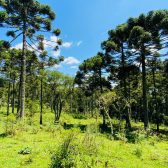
64,155
121,137
138,151
27,160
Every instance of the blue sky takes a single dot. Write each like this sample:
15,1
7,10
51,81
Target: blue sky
84,25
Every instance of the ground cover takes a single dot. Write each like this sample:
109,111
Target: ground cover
79,143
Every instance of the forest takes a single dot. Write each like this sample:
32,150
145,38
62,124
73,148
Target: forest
112,113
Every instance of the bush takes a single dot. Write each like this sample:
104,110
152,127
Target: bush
10,125
64,156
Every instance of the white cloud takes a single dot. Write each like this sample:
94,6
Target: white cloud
66,44
78,43
137,64
71,60
57,66
114,85
74,66
18,46
56,53
48,45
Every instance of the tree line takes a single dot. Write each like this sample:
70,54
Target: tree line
131,60
126,80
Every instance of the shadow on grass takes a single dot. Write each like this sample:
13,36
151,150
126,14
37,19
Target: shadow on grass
81,127
131,136
3,135
79,116
2,114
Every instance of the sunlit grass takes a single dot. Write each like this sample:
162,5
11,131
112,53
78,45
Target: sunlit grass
92,148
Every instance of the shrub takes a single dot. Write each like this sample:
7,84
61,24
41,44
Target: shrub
10,125
65,152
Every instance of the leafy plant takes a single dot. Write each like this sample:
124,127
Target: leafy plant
138,151
26,150
64,155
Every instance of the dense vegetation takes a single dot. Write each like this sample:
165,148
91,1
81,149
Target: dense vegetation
94,119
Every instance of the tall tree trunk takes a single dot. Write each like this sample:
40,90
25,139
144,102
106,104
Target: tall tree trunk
13,107
19,98
101,91
41,113
71,104
1,102
156,105
128,119
92,104
51,103
23,73
166,103
9,94
146,120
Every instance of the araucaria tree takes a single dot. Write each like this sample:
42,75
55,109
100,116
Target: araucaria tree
27,17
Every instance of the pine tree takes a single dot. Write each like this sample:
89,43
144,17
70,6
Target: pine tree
27,17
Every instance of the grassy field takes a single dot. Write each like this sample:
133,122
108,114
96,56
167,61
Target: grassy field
80,143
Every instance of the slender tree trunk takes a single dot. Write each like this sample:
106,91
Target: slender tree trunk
101,90
166,103
128,120
19,99
1,102
84,106
156,105
71,102
23,73
146,120
136,110
60,107
92,103
13,107
51,103
111,125
9,94
41,113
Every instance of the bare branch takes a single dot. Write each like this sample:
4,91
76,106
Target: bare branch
16,37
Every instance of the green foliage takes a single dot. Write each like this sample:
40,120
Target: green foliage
138,151
10,125
57,32
63,157
166,120
26,150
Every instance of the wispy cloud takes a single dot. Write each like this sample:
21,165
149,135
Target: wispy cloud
71,60
67,44
48,45
103,33
74,66
78,43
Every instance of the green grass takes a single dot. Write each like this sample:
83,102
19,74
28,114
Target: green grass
90,146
